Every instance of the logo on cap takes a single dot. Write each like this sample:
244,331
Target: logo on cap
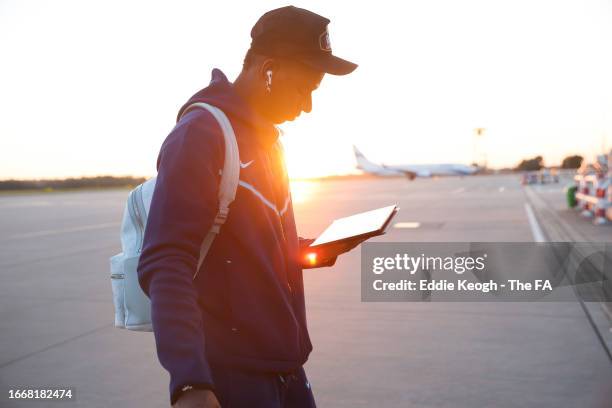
324,42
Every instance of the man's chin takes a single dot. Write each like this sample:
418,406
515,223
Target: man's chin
288,118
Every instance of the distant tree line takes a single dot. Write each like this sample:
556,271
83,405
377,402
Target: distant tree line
571,162
537,163
71,183
533,164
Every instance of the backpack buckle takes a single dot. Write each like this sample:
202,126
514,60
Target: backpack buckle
221,216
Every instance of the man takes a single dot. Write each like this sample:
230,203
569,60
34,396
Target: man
236,335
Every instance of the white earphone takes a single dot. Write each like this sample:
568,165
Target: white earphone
269,80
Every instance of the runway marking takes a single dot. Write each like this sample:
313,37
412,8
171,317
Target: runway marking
44,233
58,256
458,191
20,204
531,215
60,343
536,230
502,189
411,225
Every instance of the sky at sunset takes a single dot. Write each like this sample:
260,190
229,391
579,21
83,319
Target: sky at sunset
93,87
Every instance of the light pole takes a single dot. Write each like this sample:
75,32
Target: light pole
478,133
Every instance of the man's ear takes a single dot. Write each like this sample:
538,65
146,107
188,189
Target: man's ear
268,64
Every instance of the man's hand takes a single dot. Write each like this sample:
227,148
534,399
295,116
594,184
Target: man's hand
197,399
321,258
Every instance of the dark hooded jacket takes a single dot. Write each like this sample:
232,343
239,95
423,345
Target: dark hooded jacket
245,308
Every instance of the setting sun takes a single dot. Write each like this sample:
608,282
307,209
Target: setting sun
302,190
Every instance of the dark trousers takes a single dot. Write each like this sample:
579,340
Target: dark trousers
240,389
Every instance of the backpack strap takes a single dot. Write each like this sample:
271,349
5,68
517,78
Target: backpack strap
229,177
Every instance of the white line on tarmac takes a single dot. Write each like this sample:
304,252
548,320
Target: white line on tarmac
540,237
458,191
501,189
408,224
64,230
536,230
24,203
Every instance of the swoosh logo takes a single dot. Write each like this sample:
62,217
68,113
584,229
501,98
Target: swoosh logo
245,165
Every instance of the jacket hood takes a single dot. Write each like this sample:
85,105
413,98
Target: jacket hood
221,94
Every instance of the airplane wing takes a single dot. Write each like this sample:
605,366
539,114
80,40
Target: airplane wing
406,172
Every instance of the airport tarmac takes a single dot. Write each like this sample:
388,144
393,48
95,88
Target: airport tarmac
56,310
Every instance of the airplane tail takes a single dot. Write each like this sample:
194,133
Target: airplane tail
362,161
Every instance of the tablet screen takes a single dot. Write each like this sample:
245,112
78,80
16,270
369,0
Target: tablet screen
366,223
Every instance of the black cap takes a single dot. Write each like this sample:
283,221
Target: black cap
300,35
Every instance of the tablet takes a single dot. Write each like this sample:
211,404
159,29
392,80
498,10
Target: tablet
363,225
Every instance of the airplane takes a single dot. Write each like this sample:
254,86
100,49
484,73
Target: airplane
412,170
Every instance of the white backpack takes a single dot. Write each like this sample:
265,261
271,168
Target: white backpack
132,306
